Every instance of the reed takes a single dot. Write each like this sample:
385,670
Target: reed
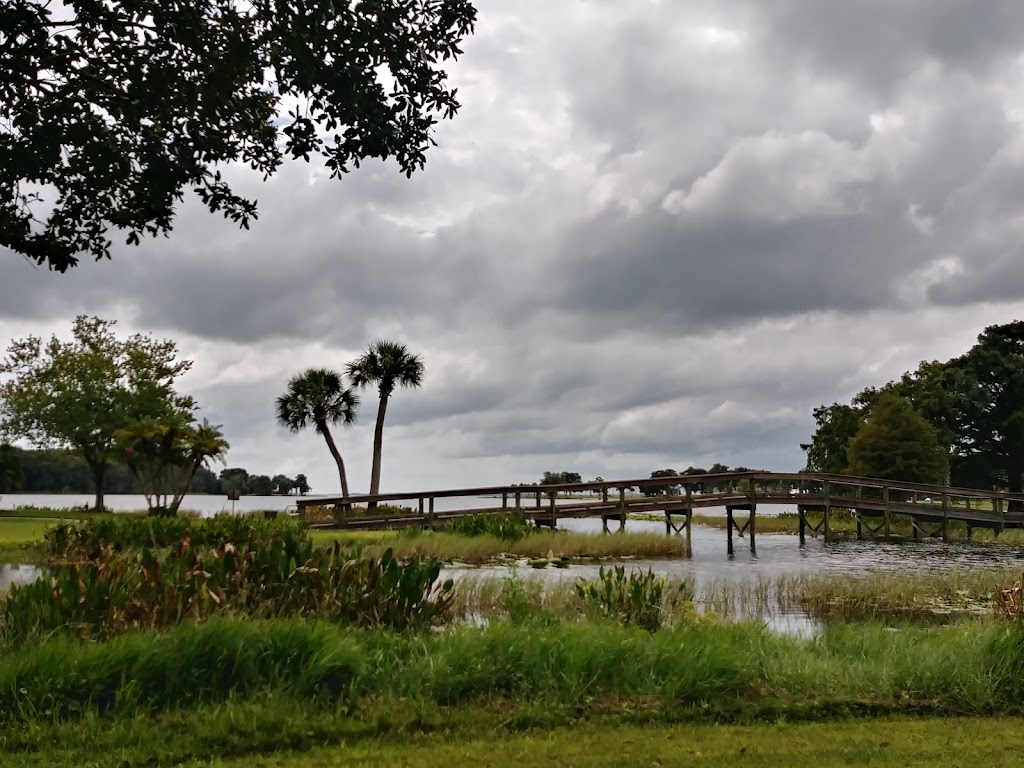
889,595
525,598
548,545
964,669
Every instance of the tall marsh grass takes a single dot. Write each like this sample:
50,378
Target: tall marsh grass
883,595
542,544
966,669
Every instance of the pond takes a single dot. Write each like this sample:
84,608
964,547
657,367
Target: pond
779,555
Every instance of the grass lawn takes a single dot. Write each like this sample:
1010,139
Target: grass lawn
926,742
19,540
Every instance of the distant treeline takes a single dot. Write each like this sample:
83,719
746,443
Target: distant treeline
57,471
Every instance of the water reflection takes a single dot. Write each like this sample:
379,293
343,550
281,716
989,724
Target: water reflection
17,574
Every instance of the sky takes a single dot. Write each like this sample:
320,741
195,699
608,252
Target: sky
657,234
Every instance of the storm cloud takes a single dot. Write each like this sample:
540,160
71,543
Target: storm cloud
656,235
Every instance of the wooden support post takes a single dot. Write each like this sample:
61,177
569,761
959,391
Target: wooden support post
860,531
668,523
752,525
538,499
1002,515
915,527
554,514
519,506
970,532
945,517
604,495
504,501
689,522
801,513
728,515
885,501
828,509
421,506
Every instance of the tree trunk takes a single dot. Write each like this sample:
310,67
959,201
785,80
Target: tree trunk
378,444
1013,485
326,432
99,472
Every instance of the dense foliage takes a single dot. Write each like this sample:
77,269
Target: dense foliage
121,533
506,526
110,111
120,592
974,402
897,443
78,394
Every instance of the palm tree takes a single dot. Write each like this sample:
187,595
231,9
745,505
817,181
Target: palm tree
319,397
387,364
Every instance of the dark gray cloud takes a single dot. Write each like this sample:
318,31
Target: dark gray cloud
653,237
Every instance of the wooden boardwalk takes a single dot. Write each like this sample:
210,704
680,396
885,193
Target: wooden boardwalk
873,502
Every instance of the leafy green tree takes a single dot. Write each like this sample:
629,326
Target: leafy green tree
386,365
302,485
164,455
690,471
12,477
318,398
835,426
659,490
986,387
119,107
261,485
205,481
234,479
282,484
897,443
78,394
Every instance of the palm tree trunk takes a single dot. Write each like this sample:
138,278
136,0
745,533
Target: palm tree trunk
326,432
378,445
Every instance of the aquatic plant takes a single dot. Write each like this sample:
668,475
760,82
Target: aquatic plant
117,592
84,538
638,598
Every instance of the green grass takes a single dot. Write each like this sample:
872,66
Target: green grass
932,743
21,541
477,550
727,670
239,689
544,544
288,733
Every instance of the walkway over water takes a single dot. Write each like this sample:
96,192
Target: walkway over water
873,502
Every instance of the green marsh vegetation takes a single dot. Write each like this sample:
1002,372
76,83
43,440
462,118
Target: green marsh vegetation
229,638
